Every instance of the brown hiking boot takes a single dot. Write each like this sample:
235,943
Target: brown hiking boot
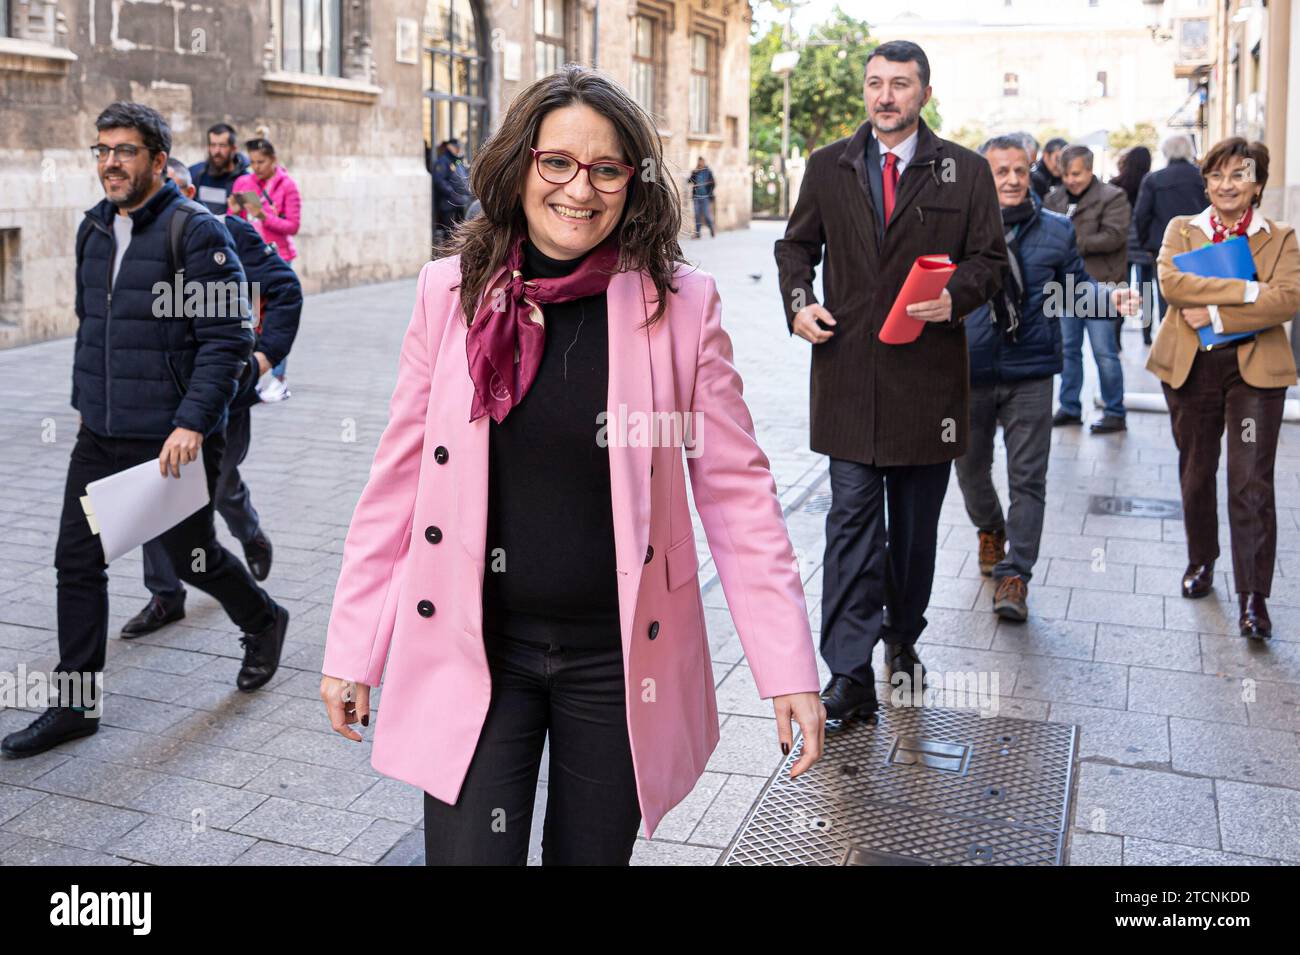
1009,599
993,548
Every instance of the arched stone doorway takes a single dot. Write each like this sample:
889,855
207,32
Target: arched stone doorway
454,62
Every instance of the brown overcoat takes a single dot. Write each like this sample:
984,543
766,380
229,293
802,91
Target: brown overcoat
891,404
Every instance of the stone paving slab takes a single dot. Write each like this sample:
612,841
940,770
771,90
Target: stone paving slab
1188,745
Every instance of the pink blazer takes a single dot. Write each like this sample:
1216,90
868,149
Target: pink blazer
283,213
430,469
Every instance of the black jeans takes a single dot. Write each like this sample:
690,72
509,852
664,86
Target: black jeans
79,558
876,578
592,813
233,501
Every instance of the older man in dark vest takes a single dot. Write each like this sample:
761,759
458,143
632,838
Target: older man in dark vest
891,417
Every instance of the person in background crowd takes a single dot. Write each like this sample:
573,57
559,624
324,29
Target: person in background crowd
504,515
1176,190
275,209
1015,350
1239,386
1045,175
702,183
215,177
1134,163
279,296
1100,214
451,192
891,418
1030,145
154,390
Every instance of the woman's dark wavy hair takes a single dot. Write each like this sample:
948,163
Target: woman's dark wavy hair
651,221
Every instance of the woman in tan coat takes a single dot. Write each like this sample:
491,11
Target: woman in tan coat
1240,385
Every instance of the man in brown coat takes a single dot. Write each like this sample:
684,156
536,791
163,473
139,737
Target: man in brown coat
1100,213
891,417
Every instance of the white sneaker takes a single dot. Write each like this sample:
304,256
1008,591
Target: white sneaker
271,388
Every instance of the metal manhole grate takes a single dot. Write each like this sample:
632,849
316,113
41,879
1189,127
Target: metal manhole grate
817,504
1008,804
1135,507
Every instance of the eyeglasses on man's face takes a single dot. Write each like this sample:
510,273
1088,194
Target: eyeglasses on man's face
558,168
125,152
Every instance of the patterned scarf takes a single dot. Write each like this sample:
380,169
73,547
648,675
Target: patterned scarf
1222,232
505,345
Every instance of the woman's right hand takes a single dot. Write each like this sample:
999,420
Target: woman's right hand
341,711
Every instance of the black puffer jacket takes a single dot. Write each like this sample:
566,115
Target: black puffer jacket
122,375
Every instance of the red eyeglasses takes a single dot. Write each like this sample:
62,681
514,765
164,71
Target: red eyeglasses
605,175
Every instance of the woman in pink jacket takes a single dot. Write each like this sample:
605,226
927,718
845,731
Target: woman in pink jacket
522,557
276,213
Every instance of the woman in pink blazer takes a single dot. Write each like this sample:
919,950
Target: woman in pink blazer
522,557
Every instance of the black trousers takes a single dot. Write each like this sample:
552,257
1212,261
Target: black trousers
233,501
1215,397
592,813
79,559
881,534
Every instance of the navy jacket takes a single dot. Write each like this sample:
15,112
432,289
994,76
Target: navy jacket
280,294
1176,190
205,180
450,184
1049,255
122,379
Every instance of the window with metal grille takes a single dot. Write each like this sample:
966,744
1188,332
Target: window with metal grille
310,37
548,36
704,82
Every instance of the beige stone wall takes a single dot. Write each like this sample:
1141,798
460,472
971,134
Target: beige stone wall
613,31
356,148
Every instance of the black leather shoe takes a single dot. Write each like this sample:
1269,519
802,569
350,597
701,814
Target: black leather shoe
257,554
1198,580
1063,418
56,725
1108,425
262,652
157,613
902,658
847,700
1254,617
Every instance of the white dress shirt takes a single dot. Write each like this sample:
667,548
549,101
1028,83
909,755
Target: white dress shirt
904,151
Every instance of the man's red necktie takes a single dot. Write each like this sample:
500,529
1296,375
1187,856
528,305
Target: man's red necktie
891,183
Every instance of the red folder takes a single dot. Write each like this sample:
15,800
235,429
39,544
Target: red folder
926,281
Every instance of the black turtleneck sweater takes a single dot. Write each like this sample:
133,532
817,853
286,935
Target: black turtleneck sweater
550,575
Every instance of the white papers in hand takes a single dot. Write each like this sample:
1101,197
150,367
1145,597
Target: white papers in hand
136,505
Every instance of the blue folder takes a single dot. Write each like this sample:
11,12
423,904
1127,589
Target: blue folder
1230,259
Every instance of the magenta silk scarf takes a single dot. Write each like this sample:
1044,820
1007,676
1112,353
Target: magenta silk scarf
505,345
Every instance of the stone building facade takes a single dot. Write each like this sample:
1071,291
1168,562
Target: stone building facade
355,94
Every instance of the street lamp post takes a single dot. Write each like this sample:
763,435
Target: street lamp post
783,65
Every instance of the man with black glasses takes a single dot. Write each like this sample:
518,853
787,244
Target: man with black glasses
147,388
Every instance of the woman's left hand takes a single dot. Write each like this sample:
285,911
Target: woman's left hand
808,712
1196,317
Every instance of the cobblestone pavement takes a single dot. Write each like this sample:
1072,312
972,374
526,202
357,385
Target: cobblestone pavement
1189,735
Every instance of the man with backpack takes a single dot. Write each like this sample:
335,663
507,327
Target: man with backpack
149,385
279,296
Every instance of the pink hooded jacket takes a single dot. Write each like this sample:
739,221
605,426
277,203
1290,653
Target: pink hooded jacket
283,212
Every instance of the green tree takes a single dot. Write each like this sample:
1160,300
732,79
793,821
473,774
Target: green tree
1142,134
